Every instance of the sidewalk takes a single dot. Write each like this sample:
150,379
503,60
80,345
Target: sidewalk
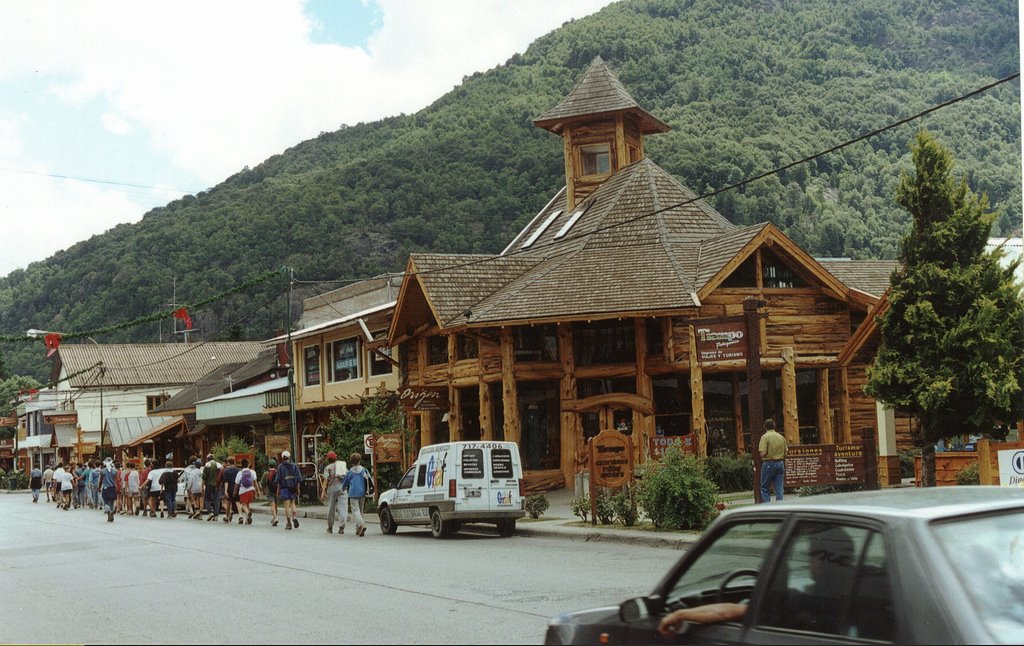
557,522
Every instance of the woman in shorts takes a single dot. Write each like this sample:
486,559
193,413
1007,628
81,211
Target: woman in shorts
269,487
132,494
248,489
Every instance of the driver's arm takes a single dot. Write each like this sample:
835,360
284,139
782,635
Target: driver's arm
709,614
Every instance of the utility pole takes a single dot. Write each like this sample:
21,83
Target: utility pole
291,366
755,410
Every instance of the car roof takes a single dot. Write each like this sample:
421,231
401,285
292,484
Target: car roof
926,502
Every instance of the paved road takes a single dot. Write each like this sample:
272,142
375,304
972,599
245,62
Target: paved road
69,576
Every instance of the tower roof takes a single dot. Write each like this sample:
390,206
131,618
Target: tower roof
598,92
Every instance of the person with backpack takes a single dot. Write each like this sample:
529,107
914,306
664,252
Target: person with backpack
229,489
289,486
194,488
35,483
333,475
268,485
356,484
108,486
248,489
210,488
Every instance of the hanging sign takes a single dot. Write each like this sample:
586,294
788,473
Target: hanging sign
424,397
275,444
723,340
8,421
60,418
387,448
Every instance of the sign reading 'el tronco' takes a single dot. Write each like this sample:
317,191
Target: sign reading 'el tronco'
721,341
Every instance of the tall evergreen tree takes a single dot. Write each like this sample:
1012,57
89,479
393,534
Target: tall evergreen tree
952,338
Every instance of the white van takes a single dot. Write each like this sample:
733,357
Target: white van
457,482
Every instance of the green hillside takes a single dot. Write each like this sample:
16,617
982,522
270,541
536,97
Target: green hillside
746,86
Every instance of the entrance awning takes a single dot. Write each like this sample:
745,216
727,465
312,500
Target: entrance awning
176,423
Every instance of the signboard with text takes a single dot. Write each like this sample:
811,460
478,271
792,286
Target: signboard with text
724,340
274,444
1011,468
656,446
821,464
61,418
8,421
611,459
387,448
424,398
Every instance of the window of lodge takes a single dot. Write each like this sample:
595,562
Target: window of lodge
672,406
343,363
605,342
595,159
655,337
437,350
379,366
777,274
311,364
466,347
535,343
539,413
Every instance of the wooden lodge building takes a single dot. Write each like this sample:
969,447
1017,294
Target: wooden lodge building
588,319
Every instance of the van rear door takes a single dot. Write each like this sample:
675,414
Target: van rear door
473,478
505,472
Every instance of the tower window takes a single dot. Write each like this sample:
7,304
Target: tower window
596,159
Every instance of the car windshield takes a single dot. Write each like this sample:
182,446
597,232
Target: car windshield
987,554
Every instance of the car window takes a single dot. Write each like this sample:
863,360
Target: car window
831,579
741,546
987,555
406,482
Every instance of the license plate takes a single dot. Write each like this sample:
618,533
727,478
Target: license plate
472,493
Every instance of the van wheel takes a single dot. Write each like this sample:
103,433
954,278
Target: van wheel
506,527
438,527
387,523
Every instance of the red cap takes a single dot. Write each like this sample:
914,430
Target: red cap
332,455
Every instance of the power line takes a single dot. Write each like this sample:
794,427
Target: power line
95,180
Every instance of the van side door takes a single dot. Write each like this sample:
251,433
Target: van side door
504,480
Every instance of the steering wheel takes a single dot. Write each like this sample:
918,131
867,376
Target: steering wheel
732,576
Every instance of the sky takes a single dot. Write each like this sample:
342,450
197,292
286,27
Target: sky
109,108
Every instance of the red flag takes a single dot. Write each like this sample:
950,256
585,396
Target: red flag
180,313
52,342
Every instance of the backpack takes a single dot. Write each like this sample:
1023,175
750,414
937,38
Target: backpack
370,489
290,475
246,478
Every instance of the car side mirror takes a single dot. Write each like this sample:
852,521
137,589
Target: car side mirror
634,610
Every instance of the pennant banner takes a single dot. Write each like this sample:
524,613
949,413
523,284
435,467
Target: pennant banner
52,342
180,313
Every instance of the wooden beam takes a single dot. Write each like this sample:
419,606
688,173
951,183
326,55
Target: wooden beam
455,413
698,420
570,173
844,406
825,435
643,425
486,421
510,393
621,400
426,429
790,417
421,359
572,451
737,414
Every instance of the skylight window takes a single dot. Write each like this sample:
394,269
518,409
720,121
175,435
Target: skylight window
576,215
543,227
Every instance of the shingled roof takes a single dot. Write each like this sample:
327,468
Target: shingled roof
149,364
869,276
599,91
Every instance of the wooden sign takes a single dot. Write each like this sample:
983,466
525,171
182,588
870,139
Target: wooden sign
656,446
61,418
424,398
820,464
387,448
724,340
8,421
275,444
611,459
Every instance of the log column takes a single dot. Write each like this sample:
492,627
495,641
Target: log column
844,407
573,451
643,425
510,394
486,422
790,418
698,422
824,409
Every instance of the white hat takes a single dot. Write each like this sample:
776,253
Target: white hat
285,454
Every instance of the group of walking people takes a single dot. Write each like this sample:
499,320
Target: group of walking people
212,490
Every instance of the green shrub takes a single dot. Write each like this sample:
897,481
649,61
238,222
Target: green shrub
536,505
969,475
676,492
580,507
605,508
626,506
817,490
731,473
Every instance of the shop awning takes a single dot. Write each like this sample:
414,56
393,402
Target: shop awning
175,424
64,436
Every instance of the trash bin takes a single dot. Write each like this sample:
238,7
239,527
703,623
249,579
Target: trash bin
581,484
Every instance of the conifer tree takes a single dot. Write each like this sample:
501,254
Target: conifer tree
952,338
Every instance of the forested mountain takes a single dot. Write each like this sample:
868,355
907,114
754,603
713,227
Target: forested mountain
745,85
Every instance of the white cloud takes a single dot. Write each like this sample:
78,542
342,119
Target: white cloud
215,86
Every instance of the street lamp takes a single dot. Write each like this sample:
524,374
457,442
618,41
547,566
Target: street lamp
35,334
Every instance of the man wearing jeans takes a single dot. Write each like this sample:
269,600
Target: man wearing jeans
773,466
333,475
